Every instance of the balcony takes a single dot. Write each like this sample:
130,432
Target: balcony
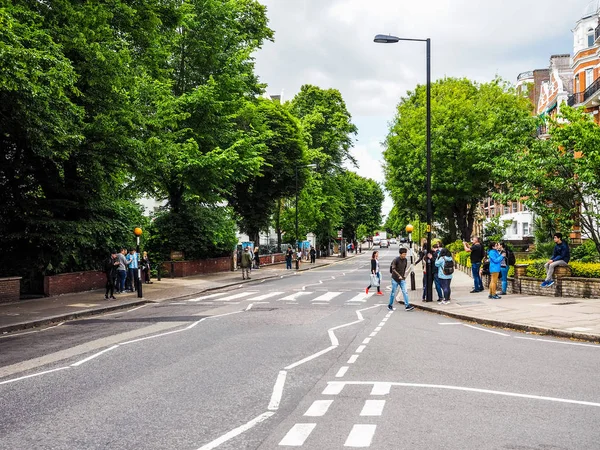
582,97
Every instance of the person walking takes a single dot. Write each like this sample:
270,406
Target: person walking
288,257
110,269
445,269
476,255
375,275
561,255
398,271
122,271
256,257
246,263
495,260
313,255
504,267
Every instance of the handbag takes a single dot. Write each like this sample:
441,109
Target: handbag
374,280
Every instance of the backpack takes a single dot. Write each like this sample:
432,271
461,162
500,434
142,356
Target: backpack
448,267
510,257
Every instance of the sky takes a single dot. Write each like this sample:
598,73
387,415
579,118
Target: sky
329,43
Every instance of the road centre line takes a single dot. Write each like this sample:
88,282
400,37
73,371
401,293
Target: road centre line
373,334
33,375
336,387
360,348
381,324
377,329
366,341
352,359
237,431
277,391
342,372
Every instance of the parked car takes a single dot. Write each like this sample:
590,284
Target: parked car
376,240
393,241
384,243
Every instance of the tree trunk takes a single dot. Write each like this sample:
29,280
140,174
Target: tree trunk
452,227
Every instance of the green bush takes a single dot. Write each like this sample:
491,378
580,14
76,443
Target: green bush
463,259
585,253
455,247
543,250
585,270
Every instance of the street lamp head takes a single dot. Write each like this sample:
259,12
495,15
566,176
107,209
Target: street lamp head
386,39
409,228
137,231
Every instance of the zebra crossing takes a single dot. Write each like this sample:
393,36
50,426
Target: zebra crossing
322,298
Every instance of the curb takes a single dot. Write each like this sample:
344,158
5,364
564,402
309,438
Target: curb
104,309
514,326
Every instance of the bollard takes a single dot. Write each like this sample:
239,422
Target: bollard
158,271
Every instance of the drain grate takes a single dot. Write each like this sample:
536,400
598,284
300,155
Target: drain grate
566,303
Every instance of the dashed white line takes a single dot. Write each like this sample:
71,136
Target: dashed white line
342,372
373,334
373,408
381,388
360,348
377,329
381,324
298,434
352,359
366,341
318,408
361,436
249,307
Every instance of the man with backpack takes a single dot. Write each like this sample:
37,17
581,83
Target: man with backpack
398,271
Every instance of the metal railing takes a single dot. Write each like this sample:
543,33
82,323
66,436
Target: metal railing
575,99
597,33
591,90
525,75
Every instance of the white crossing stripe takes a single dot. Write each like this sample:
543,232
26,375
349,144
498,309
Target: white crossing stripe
352,359
381,389
298,434
373,408
326,296
265,296
318,408
342,372
295,296
199,299
236,296
362,298
360,436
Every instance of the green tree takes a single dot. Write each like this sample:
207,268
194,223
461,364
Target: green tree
471,122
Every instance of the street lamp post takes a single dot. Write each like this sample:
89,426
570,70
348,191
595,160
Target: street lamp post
312,166
389,39
138,232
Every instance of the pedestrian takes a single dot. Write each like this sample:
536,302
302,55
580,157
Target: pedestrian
561,255
436,281
375,274
476,255
398,271
132,269
313,255
122,270
246,263
445,269
146,268
288,257
504,267
495,260
110,269
256,258
298,257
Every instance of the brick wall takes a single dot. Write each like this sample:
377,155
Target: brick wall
180,269
66,283
272,259
10,289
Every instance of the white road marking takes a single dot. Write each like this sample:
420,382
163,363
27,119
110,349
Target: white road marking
373,334
385,319
327,296
266,296
342,372
361,298
352,359
204,297
381,388
295,295
489,331
377,329
277,391
360,348
236,296
334,387
311,357
381,324
558,342
95,355
449,323
360,436
373,408
33,375
39,331
366,341
318,408
249,307
298,434
237,431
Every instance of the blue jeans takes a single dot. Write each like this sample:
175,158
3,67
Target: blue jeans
436,282
504,275
122,277
402,285
476,278
445,284
288,263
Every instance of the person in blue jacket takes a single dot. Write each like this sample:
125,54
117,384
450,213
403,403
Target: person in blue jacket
495,260
561,255
443,276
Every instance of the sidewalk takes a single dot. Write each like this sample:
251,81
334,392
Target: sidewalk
44,311
576,318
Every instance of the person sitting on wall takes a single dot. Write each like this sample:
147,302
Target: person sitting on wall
560,257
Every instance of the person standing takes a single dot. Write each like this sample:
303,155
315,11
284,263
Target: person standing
110,269
495,260
256,258
122,270
476,255
246,263
445,269
561,255
288,257
375,276
504,266
398,270
436,281
133,259
146,268
313,255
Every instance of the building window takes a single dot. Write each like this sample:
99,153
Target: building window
506,211
590,37
525,229
589,77
514,207
514,228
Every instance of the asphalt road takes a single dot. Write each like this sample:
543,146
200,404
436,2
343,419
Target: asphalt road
307,361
